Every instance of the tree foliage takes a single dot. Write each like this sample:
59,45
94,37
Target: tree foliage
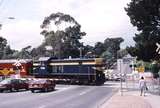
65,42
8,52
107,49
5,50
25,53
113,45
99,48
3,43
145,15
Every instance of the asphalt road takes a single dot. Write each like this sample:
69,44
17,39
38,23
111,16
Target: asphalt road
65,96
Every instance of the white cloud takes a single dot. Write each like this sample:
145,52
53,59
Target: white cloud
22,33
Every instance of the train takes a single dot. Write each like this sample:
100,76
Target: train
10,67
72,70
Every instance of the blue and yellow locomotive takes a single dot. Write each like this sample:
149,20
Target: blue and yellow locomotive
79,70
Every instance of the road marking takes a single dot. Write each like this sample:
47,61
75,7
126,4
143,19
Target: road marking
43,106
82,93
57,90
36,95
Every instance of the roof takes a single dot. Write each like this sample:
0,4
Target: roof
15,60
74,59
44,58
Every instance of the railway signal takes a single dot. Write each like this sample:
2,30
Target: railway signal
18,67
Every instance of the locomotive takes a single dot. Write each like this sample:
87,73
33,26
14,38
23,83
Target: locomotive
76,70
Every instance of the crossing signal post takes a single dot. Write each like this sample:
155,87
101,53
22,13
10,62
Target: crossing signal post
119,67
18,66
141,69
158,52
133,66
159,82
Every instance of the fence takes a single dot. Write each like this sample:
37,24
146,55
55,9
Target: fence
152,84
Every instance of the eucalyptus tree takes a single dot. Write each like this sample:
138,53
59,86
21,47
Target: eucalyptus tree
62,32
25,53
99,49
3,44
113,45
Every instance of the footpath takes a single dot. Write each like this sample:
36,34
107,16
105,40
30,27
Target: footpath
130,98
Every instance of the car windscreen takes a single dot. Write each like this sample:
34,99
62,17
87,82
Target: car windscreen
7,81
38,82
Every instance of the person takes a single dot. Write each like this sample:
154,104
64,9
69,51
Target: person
143,86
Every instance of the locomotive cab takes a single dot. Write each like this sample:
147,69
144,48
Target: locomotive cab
40,67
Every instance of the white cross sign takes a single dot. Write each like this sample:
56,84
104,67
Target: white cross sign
17,63
158,48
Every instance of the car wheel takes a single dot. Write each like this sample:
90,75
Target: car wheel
27,88
32,91
52,88
45,89
12,89
1,90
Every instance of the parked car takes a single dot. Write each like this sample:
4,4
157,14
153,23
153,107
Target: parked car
42,85
13,84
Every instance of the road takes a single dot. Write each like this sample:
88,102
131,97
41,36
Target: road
65,96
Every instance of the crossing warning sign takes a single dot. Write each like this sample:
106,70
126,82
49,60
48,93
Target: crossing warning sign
141,69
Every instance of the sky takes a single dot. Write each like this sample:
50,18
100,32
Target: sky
100,19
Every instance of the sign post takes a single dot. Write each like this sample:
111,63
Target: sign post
119,67
159,82
158,51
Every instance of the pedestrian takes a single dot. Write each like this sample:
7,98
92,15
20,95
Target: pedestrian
143,86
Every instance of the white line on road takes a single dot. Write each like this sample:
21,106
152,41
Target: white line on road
82,93
43,106
85,92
